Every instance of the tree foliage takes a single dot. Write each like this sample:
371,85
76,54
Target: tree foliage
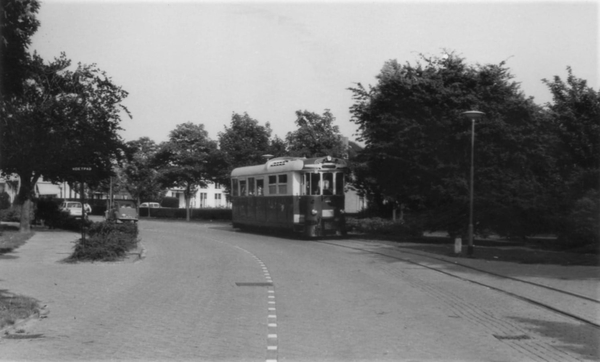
140,177
575,115
315,136
63,118
188,160
418,143
244,142
18,23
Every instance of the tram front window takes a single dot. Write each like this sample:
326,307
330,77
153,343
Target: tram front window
327,183
339,183
315,180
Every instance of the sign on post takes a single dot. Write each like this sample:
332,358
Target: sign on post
82,171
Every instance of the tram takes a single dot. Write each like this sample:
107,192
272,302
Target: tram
304,195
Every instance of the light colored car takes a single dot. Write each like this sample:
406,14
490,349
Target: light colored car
73,208
150,204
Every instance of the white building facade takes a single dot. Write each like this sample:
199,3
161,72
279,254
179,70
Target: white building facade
212,196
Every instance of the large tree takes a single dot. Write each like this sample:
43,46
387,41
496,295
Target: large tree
140,178
64,118
575,116
18,23
244,142
188,160
418,142
316,136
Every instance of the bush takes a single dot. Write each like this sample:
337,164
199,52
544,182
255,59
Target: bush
196,214
379,226
583,224
47,209
62,220
170,202
4,200
14,213
107,241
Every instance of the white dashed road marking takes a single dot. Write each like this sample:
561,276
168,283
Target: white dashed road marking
272,339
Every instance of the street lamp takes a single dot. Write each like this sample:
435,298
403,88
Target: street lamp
473,116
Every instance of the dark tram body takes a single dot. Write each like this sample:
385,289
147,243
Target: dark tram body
304,195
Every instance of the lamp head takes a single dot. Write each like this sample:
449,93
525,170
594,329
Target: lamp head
474,115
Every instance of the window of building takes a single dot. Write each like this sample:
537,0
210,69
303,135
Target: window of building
203,197
217,200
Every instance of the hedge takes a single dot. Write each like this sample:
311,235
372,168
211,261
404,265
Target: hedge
195,214
106,241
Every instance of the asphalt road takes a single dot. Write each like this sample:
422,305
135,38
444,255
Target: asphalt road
208,292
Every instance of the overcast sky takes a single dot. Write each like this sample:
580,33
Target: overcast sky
196,61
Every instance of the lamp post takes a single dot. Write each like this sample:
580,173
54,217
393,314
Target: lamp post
473,116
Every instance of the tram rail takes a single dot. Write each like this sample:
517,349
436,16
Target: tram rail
575,299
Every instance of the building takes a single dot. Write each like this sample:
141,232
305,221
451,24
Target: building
42,189
212,196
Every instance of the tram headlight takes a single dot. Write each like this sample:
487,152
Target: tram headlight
313,212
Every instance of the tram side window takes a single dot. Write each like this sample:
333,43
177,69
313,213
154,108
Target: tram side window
339,183
242,187
272,185
234,187
260,186
250,186
282,184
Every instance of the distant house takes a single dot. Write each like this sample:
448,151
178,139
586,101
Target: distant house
214,196
211,196
42,189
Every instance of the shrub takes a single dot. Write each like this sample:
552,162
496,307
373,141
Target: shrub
107,241
583,224
196,214
14,213
4,200
379,226
47,209
62,220
170,202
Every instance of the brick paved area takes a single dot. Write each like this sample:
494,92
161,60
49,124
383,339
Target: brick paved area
184,301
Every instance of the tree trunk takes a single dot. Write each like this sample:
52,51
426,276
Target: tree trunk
187,203
24,200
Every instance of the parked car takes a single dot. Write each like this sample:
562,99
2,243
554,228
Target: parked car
150,204
73,208
124,211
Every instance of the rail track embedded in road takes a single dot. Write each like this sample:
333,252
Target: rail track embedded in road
575,296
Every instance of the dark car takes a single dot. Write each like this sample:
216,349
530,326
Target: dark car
124,211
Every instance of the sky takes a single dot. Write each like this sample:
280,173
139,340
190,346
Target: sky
201,62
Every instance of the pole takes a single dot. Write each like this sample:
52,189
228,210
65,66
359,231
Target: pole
470,246
82,211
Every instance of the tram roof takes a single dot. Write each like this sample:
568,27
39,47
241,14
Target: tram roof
287,164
